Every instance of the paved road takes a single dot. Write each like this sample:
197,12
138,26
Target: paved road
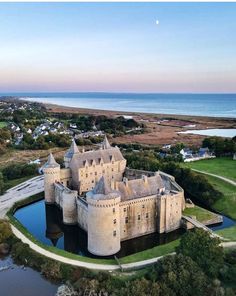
217,176
20,192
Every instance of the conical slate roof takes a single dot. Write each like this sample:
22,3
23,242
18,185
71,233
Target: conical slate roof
105,143
51,163
102,191
102,187
72,150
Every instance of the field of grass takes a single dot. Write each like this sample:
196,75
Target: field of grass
229,233
151,253
3,124
201,214
223,166
227,204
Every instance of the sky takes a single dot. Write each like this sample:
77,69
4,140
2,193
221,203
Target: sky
118,47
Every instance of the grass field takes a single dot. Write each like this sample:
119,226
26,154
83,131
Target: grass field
227,204
229,233
201,214
151,253
3,124
223,166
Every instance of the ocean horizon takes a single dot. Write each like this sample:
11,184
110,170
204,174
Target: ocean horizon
215,105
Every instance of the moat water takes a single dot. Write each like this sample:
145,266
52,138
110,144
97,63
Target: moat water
45,223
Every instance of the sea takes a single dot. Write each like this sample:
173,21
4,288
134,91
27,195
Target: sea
215,105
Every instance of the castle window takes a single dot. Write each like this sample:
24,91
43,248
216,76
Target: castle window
143,206
124,209
86,175
114,233
92,181
103,171
96,173
139,217
114,221
126,219
112,170
67,183
146,215
114,210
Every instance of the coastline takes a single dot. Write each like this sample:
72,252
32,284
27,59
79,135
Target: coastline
166,132
51,107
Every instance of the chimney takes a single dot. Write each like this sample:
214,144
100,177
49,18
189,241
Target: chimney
126,181
145,179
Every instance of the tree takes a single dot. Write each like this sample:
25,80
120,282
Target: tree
5,231
1,184
203,249
179,275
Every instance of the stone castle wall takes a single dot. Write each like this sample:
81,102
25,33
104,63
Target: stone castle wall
82,214
88,176
138,217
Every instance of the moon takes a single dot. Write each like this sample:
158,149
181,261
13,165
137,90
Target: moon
157,22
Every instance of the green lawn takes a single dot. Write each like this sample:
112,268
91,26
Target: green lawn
227,204
223,166
151,253
3,124
201,214
229,233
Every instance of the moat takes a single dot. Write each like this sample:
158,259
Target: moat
45,223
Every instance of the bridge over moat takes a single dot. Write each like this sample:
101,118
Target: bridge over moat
198,224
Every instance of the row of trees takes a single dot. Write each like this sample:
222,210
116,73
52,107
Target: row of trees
197,269
220,146
15,171
115,126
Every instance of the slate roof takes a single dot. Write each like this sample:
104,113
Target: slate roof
51,163
72,150
97,156
102,190
138,188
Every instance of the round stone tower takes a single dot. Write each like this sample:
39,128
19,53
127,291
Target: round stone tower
51,172
103,219
69,206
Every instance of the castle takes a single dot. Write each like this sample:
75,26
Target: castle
111,202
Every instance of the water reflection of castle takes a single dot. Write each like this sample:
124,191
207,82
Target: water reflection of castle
74,239
110,202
